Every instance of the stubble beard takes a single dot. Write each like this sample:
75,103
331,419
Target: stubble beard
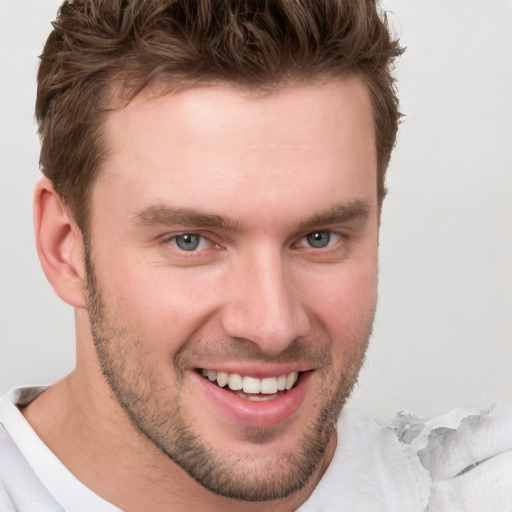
156,411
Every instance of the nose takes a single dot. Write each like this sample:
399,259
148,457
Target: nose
264,305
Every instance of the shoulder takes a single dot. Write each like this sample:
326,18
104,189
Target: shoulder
370,470
6,503
467,454
460,461
20,488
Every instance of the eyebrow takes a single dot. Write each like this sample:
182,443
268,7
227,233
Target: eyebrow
163,214
355,210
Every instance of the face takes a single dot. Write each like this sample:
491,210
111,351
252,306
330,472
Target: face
232,274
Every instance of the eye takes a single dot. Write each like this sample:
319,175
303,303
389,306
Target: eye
320,239
190,242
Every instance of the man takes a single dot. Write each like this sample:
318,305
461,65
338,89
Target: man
214,176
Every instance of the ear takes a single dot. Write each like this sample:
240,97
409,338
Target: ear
59,245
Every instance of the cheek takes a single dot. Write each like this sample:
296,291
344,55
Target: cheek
169,306
156,303
355,296
343,301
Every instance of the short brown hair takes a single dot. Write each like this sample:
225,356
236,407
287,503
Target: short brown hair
98,47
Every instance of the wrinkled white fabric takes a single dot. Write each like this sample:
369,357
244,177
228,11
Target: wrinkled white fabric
461,461
468,456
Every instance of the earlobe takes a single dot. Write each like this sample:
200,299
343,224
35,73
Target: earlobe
59,245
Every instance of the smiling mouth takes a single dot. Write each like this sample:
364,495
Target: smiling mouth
252,388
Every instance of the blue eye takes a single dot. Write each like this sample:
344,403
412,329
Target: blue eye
188,241
319,239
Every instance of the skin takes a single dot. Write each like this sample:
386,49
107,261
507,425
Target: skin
255,296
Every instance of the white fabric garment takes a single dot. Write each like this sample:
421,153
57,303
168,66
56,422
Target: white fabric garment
458,462
32,479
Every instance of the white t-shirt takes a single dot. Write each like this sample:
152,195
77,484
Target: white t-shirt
461,461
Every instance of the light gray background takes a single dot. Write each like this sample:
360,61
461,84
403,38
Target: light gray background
442,337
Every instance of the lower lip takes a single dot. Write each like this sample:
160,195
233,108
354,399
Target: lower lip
262,414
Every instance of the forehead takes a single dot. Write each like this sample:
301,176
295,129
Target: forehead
215,146
330,105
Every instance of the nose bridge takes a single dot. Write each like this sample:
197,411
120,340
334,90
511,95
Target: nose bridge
265,307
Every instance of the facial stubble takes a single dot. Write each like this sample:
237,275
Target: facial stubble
156,411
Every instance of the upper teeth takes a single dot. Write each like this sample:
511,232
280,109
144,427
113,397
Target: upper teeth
266,386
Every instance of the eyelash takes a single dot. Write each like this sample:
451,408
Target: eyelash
201,240
173,240
330,243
